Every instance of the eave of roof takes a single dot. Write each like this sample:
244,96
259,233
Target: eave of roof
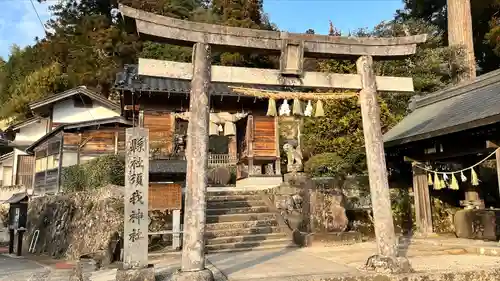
24,123
457,108
71,92
74,126
6,156
129,80
16,198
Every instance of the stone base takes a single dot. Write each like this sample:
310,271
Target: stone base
295,178
203,275
387,265
139,274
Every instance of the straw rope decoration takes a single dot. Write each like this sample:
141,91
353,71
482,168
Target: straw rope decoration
279,95
297,97
434,179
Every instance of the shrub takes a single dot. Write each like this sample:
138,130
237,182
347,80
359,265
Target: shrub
4,216
98,172
326,164
109,169
73,178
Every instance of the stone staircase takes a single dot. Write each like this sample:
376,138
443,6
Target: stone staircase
241,221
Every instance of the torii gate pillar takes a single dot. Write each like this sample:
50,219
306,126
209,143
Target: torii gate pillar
293,48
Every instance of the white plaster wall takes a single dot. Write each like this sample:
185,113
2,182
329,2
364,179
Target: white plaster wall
6,172
31,133
70,159
7,192
66,112
7,176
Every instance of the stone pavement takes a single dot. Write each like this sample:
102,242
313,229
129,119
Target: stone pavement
19,269
437,259
335,263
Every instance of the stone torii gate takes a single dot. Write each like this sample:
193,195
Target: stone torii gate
293,48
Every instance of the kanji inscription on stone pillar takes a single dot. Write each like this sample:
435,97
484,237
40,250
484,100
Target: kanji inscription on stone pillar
136,198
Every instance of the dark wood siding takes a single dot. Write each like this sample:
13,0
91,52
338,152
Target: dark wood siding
98,142
160,132
264,137
25,170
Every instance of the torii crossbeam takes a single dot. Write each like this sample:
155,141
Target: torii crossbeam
293,48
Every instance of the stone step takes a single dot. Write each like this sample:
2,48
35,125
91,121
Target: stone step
246,238
250,244
241,224
233,193
235,204
242,210
233,197
282,245
240,217
242,231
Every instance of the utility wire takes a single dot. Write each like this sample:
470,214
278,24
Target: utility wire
38,16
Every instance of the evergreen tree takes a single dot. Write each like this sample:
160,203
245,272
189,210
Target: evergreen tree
247,14
483,14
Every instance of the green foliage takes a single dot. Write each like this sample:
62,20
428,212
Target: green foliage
403,209
36,85
73,178
4,215
96,173
493,36
326,165
483,12
341,132
247,14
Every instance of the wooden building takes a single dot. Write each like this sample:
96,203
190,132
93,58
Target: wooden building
243,140
449,130
72,106
72,144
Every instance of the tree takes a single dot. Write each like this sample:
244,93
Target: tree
340,131
89,44
247,14
493,36
434,12
34,86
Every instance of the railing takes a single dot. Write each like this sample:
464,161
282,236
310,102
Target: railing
221,160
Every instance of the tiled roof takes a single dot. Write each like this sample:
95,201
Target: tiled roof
129,79
466,106
71,92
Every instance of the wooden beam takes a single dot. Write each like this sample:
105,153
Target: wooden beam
187,33
423,213
60,163
258,76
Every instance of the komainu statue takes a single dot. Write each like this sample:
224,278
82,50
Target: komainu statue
294,157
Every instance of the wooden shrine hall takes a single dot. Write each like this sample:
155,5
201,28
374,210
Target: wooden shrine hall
444,140
243,141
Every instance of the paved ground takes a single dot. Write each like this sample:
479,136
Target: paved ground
426,256
19,269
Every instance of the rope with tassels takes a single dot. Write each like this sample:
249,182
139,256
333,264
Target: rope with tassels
297,97
279,95
440,183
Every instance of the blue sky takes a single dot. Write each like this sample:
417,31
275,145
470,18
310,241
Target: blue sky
20,25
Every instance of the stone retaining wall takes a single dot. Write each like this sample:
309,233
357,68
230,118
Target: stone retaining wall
77,224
